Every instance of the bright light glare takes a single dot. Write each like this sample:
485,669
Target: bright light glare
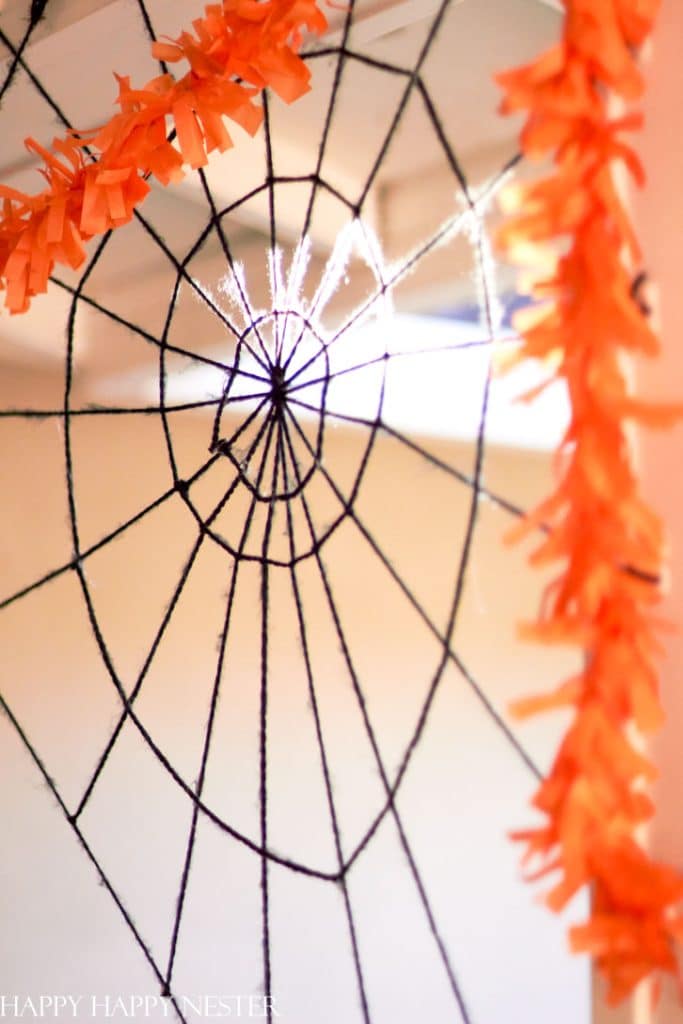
434,385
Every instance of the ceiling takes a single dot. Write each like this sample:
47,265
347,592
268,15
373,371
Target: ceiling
79,44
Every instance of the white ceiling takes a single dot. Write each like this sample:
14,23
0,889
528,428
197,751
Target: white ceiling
81,42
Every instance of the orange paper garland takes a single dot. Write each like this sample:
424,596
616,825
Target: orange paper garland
607,540
237,49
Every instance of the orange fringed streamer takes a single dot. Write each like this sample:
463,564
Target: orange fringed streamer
610,544
96,179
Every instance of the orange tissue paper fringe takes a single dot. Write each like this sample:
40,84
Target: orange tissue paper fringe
96,179
596,525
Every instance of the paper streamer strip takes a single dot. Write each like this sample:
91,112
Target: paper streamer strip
607,541
236,50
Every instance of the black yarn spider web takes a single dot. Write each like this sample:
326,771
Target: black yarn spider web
276,468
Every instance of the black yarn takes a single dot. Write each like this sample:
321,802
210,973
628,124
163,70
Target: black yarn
38,8
281,439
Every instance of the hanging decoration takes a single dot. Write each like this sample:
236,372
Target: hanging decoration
586,319
237,49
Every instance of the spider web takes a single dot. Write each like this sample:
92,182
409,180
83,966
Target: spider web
292,542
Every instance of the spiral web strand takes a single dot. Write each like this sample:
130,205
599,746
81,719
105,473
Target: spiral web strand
268,501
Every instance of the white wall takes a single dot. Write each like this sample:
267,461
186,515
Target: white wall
465,789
